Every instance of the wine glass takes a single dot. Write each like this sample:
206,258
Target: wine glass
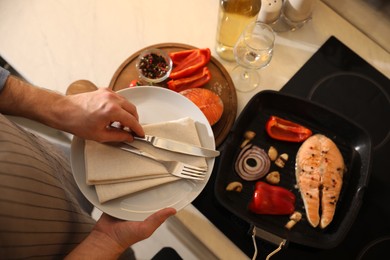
252,51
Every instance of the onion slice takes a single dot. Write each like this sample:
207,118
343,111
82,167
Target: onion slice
252,163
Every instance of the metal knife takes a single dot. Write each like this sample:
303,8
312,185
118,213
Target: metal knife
179,147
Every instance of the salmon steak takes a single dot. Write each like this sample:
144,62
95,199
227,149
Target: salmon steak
319,175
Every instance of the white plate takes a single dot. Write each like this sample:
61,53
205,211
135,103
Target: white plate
154,104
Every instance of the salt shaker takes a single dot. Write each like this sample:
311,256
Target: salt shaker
270,11
298,12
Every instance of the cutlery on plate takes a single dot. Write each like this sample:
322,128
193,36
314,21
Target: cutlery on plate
172,145
179,147
176,168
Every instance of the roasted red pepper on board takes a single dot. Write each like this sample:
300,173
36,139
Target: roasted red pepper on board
178,56
188,62
282,129
135,83
272,200
193,81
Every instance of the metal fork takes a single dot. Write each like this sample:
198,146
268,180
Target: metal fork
175,168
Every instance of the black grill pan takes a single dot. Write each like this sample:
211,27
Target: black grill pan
353,142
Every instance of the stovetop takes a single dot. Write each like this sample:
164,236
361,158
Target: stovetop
338,78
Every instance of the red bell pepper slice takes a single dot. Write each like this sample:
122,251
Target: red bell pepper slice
194,81
135,83
285,130
191,63
272,200
178,56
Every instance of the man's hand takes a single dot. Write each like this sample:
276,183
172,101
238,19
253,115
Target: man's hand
111,237
89,116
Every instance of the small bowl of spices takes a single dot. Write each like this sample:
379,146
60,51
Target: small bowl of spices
154,65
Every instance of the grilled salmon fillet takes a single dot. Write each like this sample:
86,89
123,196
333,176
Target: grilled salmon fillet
319,174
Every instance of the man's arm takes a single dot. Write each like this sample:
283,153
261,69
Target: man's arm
19,98
86,115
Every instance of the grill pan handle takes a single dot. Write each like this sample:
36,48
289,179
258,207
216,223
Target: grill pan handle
274,239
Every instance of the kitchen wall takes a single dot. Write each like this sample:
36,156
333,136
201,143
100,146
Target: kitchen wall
372,17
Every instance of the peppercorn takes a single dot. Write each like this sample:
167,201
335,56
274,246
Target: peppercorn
153,66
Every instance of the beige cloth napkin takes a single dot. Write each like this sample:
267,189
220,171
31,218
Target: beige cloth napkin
116,173
108,192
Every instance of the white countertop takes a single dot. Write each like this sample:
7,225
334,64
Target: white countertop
54,43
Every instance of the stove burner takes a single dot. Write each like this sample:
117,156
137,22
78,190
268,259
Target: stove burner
367,105
376,249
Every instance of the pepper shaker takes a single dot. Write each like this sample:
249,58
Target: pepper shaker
298,12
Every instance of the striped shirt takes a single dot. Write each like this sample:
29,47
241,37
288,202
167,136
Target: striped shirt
41,207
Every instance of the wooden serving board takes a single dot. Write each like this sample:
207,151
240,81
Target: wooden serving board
220,83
